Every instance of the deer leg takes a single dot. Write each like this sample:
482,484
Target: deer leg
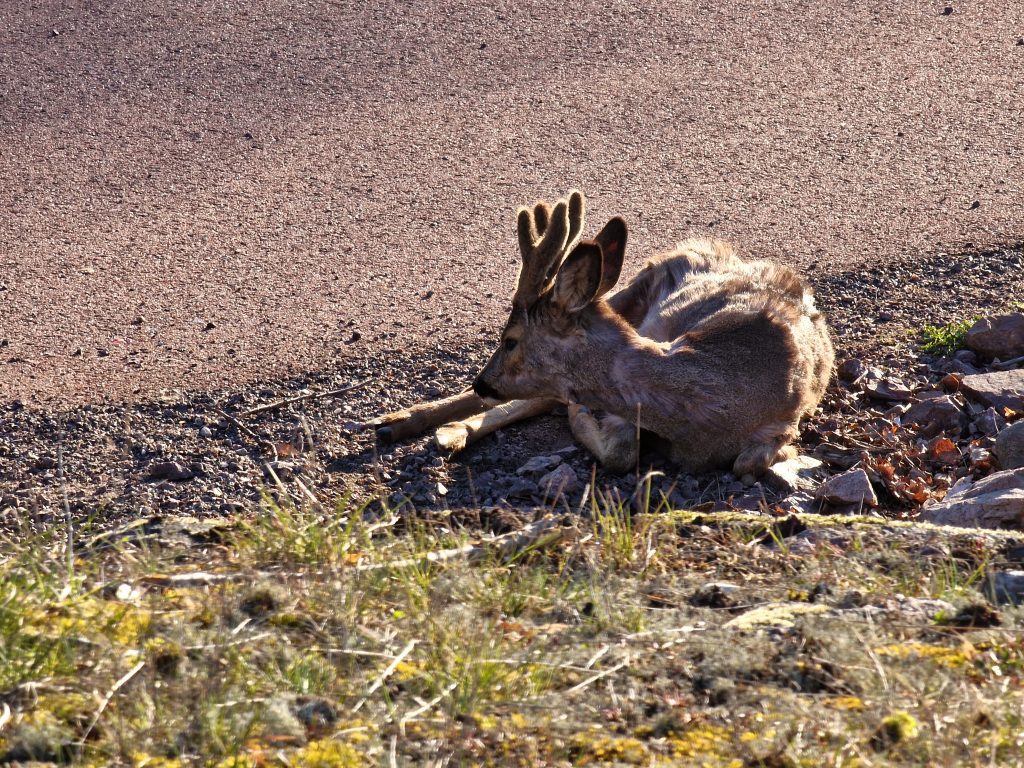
770,445
419,418
612,440
457,435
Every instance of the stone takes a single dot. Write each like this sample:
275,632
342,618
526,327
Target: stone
539,465
851,369
1005,587
169,470
996,501
958,367
715,594
934,415
284,470
1001,336
918,608
801,473
989,422
1009,447
852,487
562,479
44,463
999,389
890,390
316,714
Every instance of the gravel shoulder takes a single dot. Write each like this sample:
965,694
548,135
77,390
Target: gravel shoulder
198,453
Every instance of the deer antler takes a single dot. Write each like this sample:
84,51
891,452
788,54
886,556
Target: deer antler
545,235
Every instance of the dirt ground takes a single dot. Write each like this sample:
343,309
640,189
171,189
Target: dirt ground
209,195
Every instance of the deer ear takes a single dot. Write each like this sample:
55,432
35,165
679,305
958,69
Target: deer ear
612,240
578,278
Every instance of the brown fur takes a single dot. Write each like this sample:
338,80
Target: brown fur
718,355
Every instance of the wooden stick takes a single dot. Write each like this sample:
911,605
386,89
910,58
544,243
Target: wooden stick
457,435
508,546
110,695
1006,365
300,398
419,418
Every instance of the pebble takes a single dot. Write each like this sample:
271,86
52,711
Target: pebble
801,473
169,470
852,487
561,480
539,465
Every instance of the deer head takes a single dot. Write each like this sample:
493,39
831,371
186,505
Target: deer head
546,336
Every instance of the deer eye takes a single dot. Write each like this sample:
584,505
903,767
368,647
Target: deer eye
510,344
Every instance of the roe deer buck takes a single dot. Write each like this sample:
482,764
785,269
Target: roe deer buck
717,355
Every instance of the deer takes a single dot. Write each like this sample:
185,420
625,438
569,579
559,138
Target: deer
717,356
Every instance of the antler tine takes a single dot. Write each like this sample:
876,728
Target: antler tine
541,216
577,213
543,233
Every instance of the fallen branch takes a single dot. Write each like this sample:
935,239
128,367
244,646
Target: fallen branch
243,429
190,580
604,673
540,533
409,717
386,673
109,697
1005,365
300,398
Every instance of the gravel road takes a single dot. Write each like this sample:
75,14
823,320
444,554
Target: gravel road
209,195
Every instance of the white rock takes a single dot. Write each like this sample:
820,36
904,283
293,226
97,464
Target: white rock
851,487
798,474
996,501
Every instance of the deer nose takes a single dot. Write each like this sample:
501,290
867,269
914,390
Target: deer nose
484,389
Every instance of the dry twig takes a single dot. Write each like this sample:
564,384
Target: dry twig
109,697
300,398
539,533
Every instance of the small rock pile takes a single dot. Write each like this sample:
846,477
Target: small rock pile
943,440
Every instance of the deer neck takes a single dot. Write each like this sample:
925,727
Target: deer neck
601,376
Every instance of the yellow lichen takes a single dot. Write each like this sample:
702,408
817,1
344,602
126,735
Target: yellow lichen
142,760
701,741
845,703
328,753
774,615
895,728
946,657
594,749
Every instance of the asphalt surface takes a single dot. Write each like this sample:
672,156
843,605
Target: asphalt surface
200,195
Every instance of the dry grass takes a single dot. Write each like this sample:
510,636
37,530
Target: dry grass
306,639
